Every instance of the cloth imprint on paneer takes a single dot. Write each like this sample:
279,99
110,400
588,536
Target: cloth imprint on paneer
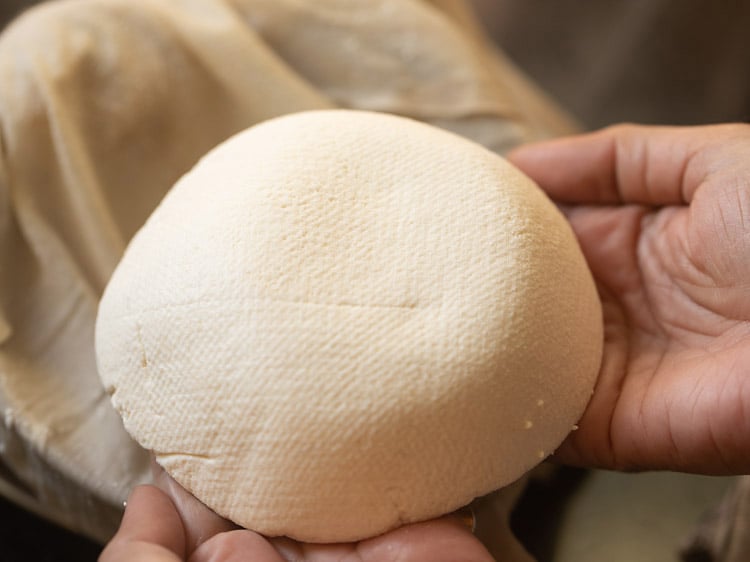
339,322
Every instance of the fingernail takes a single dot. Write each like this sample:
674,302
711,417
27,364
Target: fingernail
467,517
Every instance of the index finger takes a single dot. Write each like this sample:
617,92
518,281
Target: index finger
626,163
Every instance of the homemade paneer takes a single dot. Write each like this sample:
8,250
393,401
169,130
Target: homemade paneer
339,322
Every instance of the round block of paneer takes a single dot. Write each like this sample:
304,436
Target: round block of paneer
339,322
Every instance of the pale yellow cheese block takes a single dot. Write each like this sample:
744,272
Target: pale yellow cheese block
339,322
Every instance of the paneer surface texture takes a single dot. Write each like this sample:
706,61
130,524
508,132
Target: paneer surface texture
340,321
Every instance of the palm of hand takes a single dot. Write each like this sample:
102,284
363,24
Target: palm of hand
672,387
674,280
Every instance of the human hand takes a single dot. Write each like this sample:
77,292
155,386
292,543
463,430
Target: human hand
167,524
173,526
663,217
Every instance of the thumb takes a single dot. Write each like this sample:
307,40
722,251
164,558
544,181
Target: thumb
150,531
198,521
627,163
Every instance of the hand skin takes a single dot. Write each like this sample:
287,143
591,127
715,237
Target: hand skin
167,524
663,217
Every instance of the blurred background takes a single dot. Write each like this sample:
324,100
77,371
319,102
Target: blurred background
650,61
